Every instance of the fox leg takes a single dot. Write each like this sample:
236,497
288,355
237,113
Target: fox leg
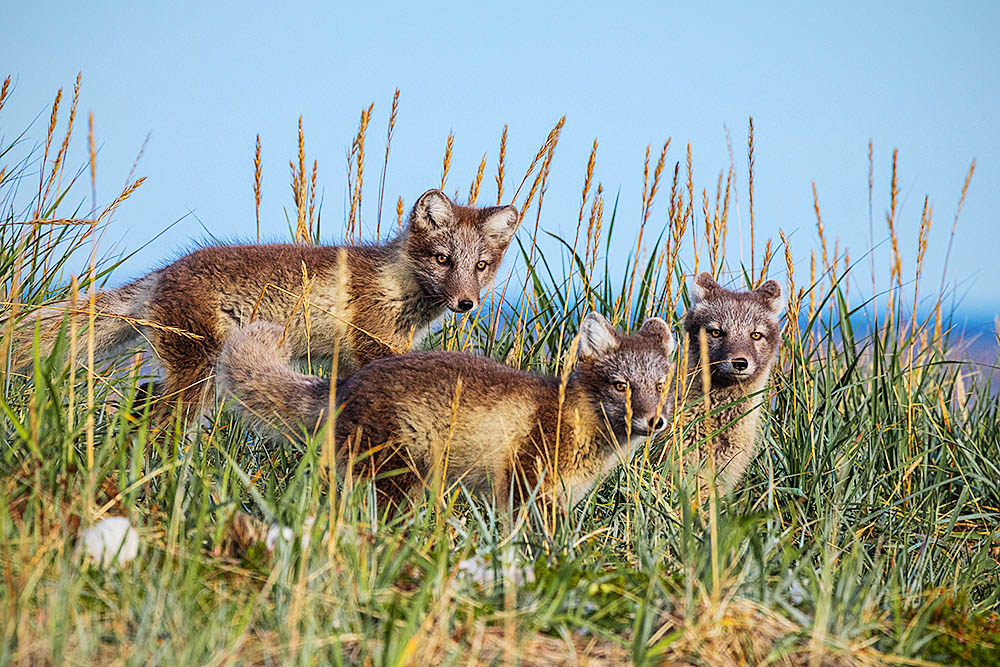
189,369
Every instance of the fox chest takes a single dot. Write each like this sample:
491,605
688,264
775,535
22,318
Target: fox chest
727,431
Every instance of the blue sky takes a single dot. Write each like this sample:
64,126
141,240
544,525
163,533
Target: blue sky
203,79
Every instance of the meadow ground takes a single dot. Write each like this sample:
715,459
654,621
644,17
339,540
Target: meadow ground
865,531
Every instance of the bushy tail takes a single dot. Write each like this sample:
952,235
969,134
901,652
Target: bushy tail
253,371
119,316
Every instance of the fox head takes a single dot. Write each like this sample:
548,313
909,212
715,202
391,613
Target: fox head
616,369
454,251
741,328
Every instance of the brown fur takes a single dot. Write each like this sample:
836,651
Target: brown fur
385,296
737,394
504,432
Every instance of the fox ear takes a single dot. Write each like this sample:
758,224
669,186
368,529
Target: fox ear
499,223
656,327
597,336
432,211
704,285
770,293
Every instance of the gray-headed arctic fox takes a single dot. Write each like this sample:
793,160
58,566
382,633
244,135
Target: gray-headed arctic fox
506,429
742,331
386,294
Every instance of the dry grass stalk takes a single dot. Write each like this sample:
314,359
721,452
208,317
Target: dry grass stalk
689,211
355,176
59,164
55,222
312,199
896,270
647,204
330,454
135,321
92,156
847,283
540,184
871,226
722,226
53,119
399,213
750,165
926,216
812,284
125,194
594,236
446,164
74,294
765,266
947,254
385,161
734,632
256,186
545,151
500,164
709,449
819,228
677,221
4,91
585,193
299,187
307,285
715,229
890,218
477,183
792,304
592,233
568,362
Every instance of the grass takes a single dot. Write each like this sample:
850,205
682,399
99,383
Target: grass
864,532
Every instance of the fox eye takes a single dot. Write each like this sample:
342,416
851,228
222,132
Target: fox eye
442,259
659,387
756,335
715,333
621,386
481,265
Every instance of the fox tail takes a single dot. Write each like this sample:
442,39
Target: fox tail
253,371
119,315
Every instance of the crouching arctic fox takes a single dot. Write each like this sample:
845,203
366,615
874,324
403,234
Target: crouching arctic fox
486,424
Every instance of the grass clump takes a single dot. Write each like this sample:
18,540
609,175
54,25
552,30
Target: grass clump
864,531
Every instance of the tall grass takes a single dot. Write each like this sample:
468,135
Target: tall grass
864,532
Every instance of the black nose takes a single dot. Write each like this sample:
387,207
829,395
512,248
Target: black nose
655,423
465,305
740,364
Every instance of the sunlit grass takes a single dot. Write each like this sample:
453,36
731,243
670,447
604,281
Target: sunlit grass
865,530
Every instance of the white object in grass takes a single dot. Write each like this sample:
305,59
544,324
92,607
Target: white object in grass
479,571
111,540
287,534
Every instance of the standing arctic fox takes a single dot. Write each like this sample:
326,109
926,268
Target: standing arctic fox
742,333
489,423
385,297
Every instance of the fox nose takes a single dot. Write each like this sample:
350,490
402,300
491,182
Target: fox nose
465,305
740,364
655,423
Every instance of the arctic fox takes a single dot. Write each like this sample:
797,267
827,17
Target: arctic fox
742,332
490,424
384,296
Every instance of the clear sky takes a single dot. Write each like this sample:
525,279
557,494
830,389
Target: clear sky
202,79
